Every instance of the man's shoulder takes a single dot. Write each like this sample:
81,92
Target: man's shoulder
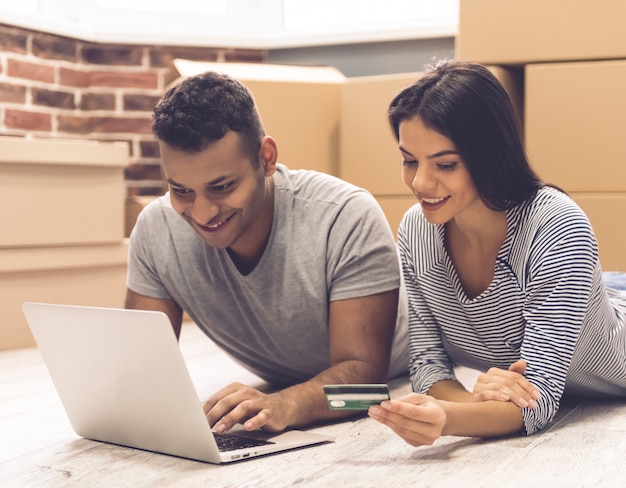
158,216
157,208
314,185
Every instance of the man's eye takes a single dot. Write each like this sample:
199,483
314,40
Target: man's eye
181,192
221,188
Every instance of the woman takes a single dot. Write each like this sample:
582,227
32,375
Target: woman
501,270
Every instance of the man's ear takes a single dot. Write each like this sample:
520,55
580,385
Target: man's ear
268,155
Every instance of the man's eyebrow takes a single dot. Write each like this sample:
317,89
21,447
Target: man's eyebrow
216,181
173,183
445,152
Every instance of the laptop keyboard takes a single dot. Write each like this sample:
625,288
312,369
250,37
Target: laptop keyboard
230,442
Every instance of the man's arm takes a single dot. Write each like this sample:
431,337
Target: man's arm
168,306
360,334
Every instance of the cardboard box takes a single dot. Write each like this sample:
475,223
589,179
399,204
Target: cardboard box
607,214
574,124
299,107
512,80
134,205
92,275
369,155
55,192
507,32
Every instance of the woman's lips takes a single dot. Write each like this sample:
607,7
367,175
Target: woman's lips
433,203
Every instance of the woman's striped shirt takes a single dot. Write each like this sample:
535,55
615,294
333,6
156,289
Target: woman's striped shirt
547,304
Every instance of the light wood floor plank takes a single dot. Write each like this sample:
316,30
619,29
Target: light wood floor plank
584,447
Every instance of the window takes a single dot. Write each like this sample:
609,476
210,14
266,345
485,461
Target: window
257,24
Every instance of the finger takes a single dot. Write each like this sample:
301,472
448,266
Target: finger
421,410
499,392
242,414
259,421
220,394
511,384
490,391
414,431
518,366
226,404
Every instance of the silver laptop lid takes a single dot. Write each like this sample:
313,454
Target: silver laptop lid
121,378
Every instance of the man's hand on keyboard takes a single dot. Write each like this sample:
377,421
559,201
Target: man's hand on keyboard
248,406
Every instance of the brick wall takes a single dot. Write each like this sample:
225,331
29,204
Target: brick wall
58,87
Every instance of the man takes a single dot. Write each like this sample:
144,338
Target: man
293,273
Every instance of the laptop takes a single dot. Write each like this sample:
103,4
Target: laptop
122,379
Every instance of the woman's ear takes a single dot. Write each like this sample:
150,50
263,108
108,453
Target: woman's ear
268,155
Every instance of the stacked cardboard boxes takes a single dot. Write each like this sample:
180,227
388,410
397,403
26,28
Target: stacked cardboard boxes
574,59
368,151
61,206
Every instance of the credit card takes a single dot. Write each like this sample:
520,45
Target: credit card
355,396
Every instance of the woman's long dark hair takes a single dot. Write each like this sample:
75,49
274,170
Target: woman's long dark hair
467,104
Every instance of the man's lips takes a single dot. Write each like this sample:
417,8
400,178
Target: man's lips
215,226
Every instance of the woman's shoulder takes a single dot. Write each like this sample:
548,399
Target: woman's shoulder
551,206
552,220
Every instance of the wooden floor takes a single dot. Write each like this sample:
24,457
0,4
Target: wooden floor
585,446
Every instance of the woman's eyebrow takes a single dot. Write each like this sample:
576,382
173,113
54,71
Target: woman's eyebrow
442,153
404,150
438,154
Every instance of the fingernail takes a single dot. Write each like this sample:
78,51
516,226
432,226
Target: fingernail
248,425
220,429
504,397
536,395
533,404
523,402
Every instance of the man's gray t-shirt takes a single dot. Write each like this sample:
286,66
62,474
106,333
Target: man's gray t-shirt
329,241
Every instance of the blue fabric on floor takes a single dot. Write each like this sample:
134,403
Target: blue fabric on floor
615,279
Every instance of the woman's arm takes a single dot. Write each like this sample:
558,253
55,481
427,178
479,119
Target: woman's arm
422,419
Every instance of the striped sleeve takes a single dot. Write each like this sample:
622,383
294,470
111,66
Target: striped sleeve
561,260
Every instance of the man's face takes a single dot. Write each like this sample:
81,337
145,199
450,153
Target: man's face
221,193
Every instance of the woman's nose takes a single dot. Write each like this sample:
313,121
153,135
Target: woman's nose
423,180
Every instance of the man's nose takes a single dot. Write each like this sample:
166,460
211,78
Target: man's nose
203,210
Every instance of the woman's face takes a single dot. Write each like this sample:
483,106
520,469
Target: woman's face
435,173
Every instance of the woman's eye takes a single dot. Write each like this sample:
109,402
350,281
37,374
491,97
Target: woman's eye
447,166
409,162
